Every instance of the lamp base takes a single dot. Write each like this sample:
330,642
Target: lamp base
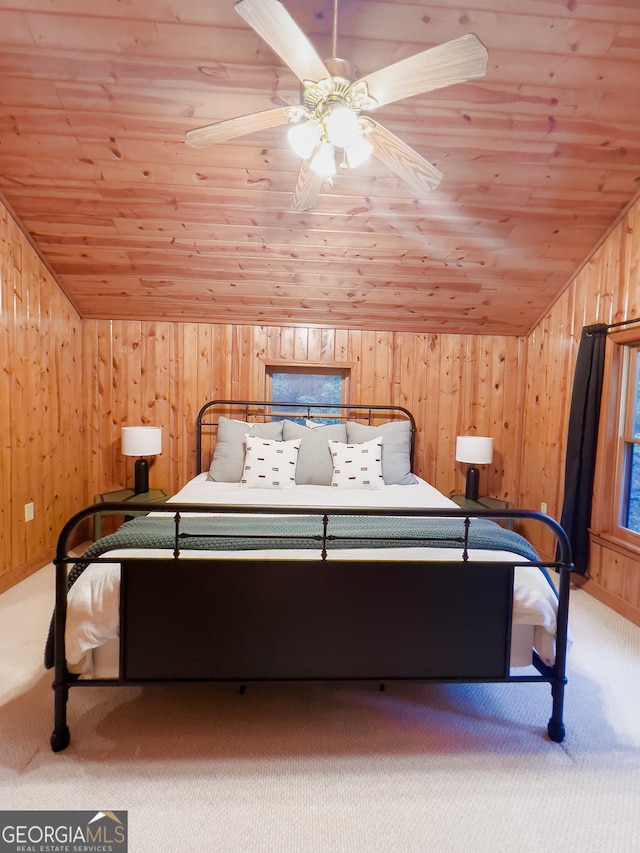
473,481
141,474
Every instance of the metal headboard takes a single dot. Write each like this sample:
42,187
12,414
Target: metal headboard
267,410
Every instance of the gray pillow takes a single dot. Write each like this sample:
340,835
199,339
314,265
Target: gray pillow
228,454
396,448
314,459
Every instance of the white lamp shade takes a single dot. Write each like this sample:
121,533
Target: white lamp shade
141,441
305,137
342,126
324,162
358,151
475,449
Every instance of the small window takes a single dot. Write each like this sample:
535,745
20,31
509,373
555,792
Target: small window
309,385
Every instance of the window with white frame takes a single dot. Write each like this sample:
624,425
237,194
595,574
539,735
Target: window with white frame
616,509
629,464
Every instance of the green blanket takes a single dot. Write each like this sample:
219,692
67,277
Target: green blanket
242,533
247,532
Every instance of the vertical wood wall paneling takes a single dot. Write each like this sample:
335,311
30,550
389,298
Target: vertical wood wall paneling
185,388
8,274
6,366
353,344
447,390
516,390
93,397
20,469
41,405
495,385
176,406
314,345
513,424
160,391
605,290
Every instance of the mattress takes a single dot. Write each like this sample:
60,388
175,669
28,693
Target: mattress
93,600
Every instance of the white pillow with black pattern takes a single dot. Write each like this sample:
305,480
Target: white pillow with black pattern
357,466
228,454
269,464
396,458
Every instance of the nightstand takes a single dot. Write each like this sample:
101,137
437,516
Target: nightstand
122,496
485,503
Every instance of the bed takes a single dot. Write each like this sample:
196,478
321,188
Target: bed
306,548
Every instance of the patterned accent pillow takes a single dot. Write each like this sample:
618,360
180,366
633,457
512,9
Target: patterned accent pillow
228,454
396,458
357,466
269,464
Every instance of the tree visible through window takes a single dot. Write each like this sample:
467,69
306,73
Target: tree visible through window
630,418
308,386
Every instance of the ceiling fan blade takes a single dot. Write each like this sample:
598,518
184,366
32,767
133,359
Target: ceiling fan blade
233,127
307,188
403,160
454,61
275,25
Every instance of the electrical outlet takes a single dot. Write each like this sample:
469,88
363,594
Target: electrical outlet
28,512
543,507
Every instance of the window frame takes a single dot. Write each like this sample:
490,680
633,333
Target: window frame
614,437
310,368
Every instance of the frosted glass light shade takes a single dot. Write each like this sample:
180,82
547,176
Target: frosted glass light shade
304,138
141,441
358,151
324,162
475,449
342,126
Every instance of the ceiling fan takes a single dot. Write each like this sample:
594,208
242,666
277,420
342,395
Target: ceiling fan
334,113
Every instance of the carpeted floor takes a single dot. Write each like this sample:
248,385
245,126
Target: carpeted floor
334,767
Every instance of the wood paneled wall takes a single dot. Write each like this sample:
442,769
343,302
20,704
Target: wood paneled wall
161,373
68,386
41,410
606,290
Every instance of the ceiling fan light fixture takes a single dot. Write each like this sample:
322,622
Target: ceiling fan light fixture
335,96
358,151
304,138
324,160
342,126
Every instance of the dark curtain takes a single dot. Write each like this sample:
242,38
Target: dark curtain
582,437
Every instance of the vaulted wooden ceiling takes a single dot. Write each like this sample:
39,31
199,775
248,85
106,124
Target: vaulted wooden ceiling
539,158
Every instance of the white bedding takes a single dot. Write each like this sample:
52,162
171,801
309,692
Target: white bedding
93,600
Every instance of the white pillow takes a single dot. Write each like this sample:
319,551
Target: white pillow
269,464
228,454
357,466
396,458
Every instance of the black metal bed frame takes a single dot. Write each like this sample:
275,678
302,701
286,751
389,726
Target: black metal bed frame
207,420
304,597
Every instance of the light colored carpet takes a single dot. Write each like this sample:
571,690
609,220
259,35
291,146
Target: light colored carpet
334,767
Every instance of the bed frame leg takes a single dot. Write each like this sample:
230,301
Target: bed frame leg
555,727
60,735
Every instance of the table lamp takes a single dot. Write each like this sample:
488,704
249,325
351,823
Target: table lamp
141,441
478,450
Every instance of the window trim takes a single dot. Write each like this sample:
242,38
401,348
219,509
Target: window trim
312,368
607,509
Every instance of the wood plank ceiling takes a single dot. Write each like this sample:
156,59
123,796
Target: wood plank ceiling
539,158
